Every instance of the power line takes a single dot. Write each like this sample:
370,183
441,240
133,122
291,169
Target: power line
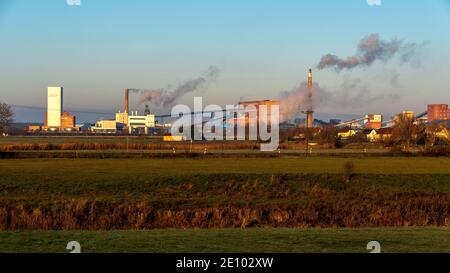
110,113
69,110
225,111
160,115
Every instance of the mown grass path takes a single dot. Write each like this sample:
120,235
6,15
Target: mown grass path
422,240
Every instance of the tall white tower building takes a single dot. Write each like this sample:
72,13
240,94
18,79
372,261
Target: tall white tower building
54,106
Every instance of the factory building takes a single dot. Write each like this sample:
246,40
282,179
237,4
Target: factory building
139,123
105,127
405,114
56,119
373,121
409,114
132,121
54,107
68,122
122,118
256,105
438,112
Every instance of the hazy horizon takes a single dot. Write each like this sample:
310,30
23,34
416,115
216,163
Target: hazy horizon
261,48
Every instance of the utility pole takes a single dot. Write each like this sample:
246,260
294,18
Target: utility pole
306,134
128,135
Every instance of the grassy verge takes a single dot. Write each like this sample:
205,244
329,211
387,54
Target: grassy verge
172,166
416,240
222,193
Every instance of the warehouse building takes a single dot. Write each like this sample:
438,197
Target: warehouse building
437,112
105,127
56,119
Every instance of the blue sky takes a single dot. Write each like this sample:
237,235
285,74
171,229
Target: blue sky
262,47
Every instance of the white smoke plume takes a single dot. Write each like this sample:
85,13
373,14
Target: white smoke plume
297,100
370,50
167,97
351,94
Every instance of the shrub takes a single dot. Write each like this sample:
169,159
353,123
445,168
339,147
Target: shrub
349,171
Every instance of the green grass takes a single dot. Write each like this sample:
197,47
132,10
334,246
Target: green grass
232,240
158,180
181,166
204,182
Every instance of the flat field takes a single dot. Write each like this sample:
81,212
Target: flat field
403,240
225,204
29,180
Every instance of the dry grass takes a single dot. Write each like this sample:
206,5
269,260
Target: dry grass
182,146
316,208
222,193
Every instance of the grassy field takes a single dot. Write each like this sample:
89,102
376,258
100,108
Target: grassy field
276,200
415,240
165,179
180,166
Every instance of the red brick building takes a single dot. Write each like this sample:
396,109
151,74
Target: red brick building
438,112
373,121
67,121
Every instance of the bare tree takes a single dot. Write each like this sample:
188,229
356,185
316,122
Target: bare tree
420,135
328,135
403,131
6,116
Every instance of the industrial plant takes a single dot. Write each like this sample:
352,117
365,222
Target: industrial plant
127,122
59,121
56,119
130,121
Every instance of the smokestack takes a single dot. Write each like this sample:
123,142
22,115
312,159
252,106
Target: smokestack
147,110
310,112
127,101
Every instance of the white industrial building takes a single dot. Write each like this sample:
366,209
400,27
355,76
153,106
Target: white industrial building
136,122
54,106
105,126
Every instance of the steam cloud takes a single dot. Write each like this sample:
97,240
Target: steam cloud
166,97
352,93
370,50
298,99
